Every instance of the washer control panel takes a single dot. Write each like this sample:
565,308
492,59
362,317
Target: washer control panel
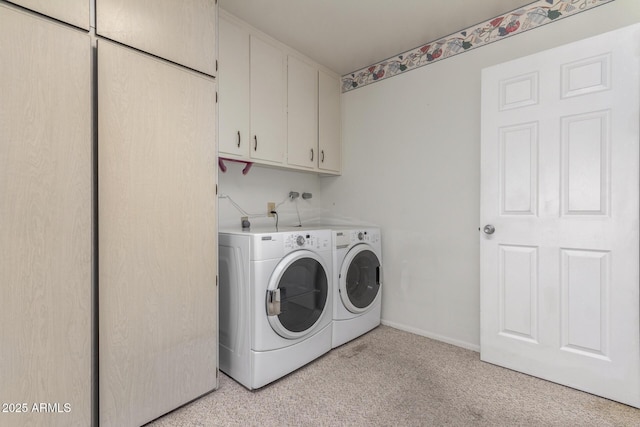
307,240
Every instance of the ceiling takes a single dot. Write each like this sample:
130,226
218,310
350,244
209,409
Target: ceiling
347,35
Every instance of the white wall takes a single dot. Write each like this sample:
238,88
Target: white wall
262,185
411,165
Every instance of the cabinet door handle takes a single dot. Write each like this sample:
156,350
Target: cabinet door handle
312,154
255,138
239,139
322,156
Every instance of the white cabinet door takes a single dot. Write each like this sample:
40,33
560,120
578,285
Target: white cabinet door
74,12
45,220
157,236
180,31
329,131
275,109
233,90
268,102
302,114
559,270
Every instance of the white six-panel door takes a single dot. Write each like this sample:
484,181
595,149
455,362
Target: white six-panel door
559,275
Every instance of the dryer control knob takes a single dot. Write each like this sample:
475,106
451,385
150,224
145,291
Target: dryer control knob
300,240
360,236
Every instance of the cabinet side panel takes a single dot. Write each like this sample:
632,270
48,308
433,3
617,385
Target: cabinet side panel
45,221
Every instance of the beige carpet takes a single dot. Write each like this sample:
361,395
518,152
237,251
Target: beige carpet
393,378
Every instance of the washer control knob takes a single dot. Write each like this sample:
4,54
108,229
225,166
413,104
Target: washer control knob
300,240
361,236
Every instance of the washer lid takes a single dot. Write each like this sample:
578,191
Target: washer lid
359,278
297,294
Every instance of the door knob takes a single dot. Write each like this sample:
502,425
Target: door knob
489,229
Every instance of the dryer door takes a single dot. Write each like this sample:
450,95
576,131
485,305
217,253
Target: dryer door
297,294
359,278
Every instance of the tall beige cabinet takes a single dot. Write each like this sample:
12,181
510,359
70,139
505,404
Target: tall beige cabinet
157,235
157,262
108,236
45,221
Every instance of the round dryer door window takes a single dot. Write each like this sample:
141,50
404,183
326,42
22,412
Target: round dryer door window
297,294
359,279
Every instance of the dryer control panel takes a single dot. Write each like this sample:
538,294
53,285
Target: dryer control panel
364,236
348,238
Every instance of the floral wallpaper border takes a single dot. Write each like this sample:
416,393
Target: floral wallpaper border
534,15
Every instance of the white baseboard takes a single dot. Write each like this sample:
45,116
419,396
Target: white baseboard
433,336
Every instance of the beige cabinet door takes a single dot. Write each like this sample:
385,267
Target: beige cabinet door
233,90
268,102
74,12
329,140
302,114
157,236
45,222
180,31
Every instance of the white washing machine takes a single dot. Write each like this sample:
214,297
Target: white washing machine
275,302
357,259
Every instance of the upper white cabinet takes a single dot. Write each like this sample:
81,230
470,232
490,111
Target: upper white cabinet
180,31
233,90
46,182
276,106
268,103
329,131
302,115
252,96
74,12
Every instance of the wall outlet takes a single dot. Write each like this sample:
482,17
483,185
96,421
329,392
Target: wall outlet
271,206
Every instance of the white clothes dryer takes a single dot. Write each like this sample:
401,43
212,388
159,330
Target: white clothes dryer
275,302
357,260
